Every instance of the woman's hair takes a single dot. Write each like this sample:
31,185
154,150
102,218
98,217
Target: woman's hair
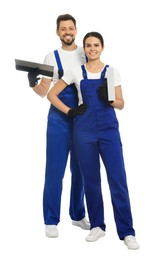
93,34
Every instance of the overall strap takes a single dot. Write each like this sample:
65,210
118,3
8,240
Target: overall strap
104,71
84,72
59,64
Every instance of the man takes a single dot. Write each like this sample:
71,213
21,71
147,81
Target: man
59,131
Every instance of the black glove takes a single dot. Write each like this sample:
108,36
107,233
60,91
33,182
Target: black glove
33,77
77,111
103,92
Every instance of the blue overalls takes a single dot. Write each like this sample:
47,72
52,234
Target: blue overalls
96,133
59,145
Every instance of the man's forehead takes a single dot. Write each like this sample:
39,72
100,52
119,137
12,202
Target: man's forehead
68,23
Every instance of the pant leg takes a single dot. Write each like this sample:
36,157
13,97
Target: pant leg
88,155
77,207
112,156
57,150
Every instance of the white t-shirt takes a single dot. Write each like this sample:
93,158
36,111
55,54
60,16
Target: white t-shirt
69,59
75,76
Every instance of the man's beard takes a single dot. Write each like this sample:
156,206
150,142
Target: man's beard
68,43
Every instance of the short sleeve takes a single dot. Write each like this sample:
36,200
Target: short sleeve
117,77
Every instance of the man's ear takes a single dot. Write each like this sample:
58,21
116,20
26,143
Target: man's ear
57,33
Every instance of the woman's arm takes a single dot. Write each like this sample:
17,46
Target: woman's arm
53,96
119,101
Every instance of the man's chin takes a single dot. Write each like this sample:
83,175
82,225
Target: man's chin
68,42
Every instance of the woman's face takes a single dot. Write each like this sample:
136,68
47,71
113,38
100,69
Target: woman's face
93,48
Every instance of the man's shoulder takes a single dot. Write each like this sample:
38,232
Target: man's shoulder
49,58
50,54
80,49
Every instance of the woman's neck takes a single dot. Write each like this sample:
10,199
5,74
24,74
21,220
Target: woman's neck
94,66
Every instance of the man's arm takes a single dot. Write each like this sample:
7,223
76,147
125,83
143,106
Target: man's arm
43,87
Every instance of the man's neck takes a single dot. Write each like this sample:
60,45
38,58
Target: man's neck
71,47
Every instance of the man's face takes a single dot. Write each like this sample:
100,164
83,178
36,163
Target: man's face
67,32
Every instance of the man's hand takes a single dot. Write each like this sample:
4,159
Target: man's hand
77,111
33,77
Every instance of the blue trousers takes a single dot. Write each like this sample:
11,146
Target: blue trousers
59,146
96,133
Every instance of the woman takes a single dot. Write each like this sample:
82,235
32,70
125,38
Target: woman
96,134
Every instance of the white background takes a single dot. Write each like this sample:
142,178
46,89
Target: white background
28,32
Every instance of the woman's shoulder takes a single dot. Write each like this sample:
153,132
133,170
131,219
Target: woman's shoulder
112,69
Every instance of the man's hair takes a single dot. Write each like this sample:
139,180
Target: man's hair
65,17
